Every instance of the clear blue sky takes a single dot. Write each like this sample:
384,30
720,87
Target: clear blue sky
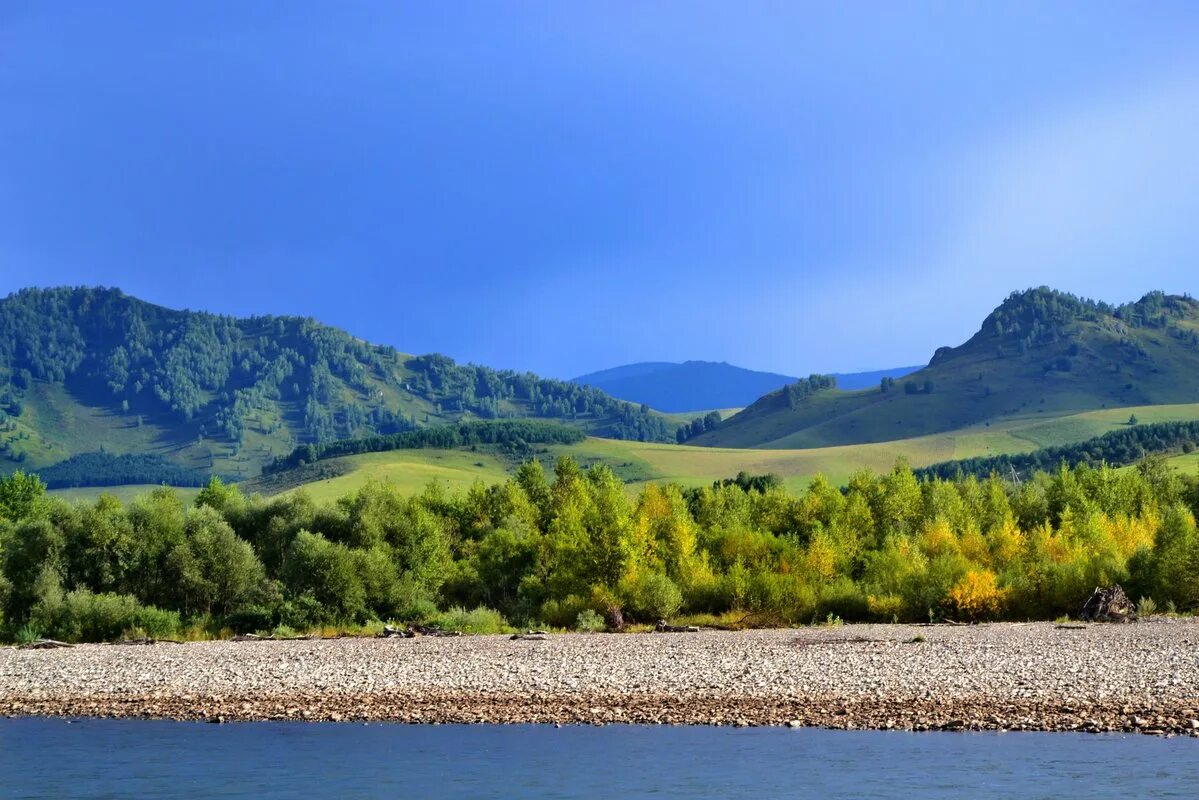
569,186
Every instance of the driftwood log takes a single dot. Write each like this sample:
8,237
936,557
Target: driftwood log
44,644
413,630
391,632
664,627
1108,605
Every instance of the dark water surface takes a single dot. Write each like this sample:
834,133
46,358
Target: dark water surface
42,758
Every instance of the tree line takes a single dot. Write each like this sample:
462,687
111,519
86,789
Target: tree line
569,548
511,433
796,393
1119,447
698,426
108,469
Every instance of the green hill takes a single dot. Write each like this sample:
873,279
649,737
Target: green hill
89,370
1041,352
639,463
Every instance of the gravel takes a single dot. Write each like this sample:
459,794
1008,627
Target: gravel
1036,676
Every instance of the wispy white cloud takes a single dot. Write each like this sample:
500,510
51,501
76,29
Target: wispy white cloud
1108,189
1101,198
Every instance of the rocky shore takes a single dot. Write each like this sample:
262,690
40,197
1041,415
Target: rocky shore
1141,677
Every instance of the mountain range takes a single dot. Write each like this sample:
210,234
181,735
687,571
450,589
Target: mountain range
705,385
88,370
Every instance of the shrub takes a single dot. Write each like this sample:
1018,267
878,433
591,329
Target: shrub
885,608
156,623
590,622
651,597
27,634
82,616
563,613
250,619
978,596
418,609
302,613
844,599
480,620
705,593
1146,607
789,598
607,604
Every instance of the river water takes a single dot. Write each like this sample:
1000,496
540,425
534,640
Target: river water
54,758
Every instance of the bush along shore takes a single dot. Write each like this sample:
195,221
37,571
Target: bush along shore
1139,677
575,550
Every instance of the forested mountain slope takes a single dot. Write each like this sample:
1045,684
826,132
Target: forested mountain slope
1040,352
92,369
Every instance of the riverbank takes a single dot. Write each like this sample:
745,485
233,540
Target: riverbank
1010,676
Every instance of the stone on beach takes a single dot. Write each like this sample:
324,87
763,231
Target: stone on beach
1003,676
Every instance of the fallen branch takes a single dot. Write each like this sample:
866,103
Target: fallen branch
390,632
44,644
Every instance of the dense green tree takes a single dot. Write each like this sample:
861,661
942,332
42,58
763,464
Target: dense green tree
328,573
19,493
215,571
102,547
33,553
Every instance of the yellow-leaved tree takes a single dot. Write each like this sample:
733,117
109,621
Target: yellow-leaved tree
978,596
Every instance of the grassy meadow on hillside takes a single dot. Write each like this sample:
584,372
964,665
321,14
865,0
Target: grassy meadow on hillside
639,463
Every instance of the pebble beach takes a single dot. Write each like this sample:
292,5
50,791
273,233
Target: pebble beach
1141,677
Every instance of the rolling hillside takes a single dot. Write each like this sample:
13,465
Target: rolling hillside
703,385
84,370
638,463
1041,353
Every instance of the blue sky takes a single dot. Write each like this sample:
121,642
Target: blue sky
564,187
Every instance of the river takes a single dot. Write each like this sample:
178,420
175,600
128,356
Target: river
95,758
